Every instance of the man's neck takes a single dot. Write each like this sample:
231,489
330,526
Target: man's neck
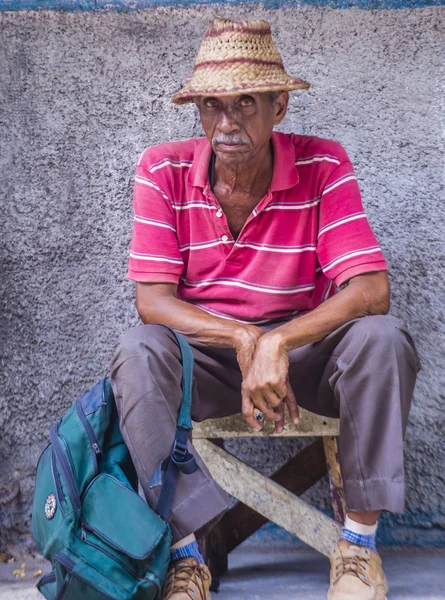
246,177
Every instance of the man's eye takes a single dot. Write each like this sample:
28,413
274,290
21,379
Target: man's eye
211,103
246,102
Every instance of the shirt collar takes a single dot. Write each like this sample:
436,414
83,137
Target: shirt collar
199,172
285,174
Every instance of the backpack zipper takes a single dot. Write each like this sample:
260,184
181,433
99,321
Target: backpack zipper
95,448
56,477
83,538
65,466
87,527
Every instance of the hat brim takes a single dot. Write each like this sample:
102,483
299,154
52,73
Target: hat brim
188,94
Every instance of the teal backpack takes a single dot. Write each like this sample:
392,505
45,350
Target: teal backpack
103,540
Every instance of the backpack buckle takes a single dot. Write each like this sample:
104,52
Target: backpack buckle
179,451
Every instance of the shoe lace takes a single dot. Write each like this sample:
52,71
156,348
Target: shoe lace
182,575
357,563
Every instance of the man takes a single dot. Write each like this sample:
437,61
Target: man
255,245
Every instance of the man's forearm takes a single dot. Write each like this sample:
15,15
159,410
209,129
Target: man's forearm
158,304
365,295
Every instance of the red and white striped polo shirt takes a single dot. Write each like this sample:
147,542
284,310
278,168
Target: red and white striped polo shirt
308,234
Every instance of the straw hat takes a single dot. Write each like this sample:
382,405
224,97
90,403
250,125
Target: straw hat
237,56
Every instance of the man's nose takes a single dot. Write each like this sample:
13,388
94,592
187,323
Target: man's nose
227,123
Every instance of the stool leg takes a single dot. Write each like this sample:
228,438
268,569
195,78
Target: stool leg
213,546
335,478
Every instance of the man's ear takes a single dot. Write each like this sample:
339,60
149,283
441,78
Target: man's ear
280,105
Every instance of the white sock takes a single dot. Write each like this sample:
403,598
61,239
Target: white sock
352,525
184,542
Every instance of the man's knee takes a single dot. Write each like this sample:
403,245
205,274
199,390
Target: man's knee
375,329
154,340
380,331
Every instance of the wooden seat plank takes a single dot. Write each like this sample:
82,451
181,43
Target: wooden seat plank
311,425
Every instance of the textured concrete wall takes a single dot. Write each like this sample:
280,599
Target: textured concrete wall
81,95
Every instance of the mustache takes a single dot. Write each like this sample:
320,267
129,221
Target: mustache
229,139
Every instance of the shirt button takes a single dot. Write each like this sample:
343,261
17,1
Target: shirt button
219,213
225,238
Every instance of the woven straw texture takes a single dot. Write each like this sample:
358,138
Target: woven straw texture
236,57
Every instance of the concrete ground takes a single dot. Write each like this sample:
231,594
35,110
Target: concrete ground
267,573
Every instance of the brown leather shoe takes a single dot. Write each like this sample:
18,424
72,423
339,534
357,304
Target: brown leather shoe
187,580
356,574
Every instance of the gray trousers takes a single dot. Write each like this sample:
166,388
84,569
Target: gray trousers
364,373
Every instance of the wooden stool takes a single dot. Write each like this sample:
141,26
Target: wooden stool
274,498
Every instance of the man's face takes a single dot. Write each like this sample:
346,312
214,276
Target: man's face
240,125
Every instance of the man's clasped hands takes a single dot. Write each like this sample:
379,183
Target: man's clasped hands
264,363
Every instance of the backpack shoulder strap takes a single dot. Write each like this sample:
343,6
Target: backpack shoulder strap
188,362
180,460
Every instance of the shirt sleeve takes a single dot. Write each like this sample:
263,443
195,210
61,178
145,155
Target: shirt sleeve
346,244
154,250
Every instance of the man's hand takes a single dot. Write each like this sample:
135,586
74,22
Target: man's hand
292,406
266,387
245,345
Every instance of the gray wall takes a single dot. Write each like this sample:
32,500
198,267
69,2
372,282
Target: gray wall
81,95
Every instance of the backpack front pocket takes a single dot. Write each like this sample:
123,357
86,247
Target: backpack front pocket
135,531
